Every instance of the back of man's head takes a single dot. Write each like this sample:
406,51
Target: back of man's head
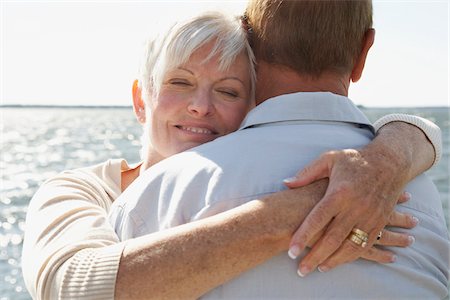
309,37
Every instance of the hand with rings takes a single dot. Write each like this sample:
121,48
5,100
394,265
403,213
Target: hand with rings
361,195
359,239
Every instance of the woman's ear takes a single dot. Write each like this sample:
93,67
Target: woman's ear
138,102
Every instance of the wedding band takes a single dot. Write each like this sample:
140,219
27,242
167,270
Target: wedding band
379,235
359,237
362,234
355,239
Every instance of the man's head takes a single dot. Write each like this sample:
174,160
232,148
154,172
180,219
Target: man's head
311,37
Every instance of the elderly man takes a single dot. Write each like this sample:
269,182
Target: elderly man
307,52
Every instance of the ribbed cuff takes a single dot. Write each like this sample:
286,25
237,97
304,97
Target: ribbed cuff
431,130
91,273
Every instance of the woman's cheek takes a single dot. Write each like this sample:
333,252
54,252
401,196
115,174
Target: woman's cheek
236,115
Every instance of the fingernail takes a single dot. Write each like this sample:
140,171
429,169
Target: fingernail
322,269
290,179
411,240
408,196
415,220
294,251
393,258
303,271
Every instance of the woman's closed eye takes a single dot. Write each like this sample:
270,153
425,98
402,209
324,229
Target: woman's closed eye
179,82
229,93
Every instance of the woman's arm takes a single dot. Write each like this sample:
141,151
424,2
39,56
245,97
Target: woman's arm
71,250
68,217
189,260
364,186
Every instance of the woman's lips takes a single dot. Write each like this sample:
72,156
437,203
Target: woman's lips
199,130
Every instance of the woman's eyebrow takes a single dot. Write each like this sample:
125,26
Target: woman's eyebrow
184,69
221,79
233,78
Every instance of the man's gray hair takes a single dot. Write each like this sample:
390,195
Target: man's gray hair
175,47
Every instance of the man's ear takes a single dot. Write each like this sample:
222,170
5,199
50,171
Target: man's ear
358,68
138,102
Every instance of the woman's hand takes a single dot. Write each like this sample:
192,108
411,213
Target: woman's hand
386,238
364,187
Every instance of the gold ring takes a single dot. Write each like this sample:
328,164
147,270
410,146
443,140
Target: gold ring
362,234
355,239
380,234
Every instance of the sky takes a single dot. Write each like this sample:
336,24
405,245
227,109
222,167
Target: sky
64,52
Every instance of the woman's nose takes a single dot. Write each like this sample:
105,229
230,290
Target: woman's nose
201,104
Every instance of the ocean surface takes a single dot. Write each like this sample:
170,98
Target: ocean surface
37,143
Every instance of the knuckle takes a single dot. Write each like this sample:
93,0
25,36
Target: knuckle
328,155
341,194
384,257
386,238
332,242
351,247
370,252
301,235
392,218
318,217
381,257
343,189
307,169
301,238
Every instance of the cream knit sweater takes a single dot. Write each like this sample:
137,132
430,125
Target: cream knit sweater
71,251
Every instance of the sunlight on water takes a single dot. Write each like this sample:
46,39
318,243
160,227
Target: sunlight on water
37,143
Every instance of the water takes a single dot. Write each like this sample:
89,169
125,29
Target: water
37,143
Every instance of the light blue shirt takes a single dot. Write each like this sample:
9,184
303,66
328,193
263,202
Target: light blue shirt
279,137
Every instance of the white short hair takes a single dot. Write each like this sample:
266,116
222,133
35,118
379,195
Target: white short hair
174,48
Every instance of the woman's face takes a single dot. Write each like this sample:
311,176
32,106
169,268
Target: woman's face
198,103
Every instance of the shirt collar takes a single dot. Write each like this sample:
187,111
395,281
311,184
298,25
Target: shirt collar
306,106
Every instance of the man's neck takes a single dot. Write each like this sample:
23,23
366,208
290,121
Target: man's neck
275,80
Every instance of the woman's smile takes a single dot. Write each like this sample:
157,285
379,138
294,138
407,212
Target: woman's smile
196,133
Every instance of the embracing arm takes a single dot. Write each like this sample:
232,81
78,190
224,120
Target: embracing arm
364,187
188,260
71,250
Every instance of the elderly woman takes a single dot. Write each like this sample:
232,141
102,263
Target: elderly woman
197,84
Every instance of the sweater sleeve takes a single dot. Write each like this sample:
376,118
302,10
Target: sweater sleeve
70,250
431,130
